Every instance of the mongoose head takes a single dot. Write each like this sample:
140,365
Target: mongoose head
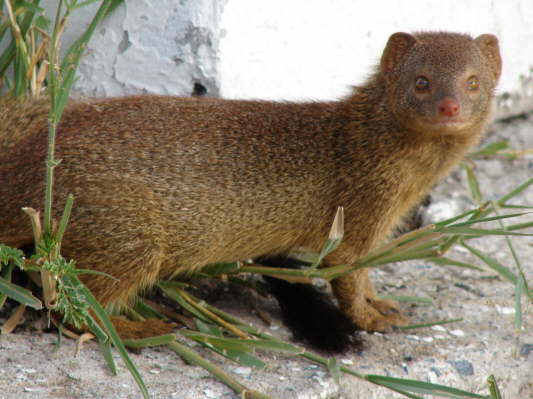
440,83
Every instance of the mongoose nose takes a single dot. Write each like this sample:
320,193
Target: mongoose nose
448,107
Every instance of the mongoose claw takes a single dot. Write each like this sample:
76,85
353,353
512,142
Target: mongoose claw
377,315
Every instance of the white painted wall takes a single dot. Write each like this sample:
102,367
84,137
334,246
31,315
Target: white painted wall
148,46
282,49
315,49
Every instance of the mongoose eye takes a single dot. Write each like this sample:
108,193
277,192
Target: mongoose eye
421,83
472,83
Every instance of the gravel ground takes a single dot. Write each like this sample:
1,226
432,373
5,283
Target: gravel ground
462,354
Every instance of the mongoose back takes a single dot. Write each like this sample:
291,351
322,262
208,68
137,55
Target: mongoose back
166,185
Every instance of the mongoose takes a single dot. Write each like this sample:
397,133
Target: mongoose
165,185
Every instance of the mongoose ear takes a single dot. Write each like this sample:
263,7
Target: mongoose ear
490,48
397,46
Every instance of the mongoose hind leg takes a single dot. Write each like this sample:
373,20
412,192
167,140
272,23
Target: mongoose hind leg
358,300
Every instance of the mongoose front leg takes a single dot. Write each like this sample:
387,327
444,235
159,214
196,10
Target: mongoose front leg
358,300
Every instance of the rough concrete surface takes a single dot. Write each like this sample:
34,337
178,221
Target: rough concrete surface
462,354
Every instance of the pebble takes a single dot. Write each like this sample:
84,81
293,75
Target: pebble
526,349
243,370
412,337
348,362
457,333
210,394
438,328
463,367
504,310
427,339
439,336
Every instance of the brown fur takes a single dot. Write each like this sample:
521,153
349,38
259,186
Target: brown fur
166,185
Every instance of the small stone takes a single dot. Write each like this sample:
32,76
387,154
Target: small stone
463,367
155,371
412,337
438,328
427,339
243,370
526,349
439,336
348,362
210,394
457,333
504,310
405,368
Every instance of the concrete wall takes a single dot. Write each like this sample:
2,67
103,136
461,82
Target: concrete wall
283,49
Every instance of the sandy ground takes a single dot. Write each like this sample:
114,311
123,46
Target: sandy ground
462,354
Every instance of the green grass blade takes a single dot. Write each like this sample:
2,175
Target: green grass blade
420,387
113,335
334,238
455,218
491,149
19,294
515,192
193,358
493,264
334,369
430,324
473,184
452,262
489,219
519,289
108,356
493,388
469,231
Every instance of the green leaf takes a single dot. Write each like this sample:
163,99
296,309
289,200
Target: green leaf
8,254
430,324
105,345
174,295
220,268
452,262
489,219
233,349
334,239
334,369
519,289
481,232
19,294
493,264
473,184
493,388
516,191
406,385
102,315
491,149
30,7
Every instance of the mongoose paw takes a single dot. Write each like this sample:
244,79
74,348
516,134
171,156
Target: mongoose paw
378,315
128,329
